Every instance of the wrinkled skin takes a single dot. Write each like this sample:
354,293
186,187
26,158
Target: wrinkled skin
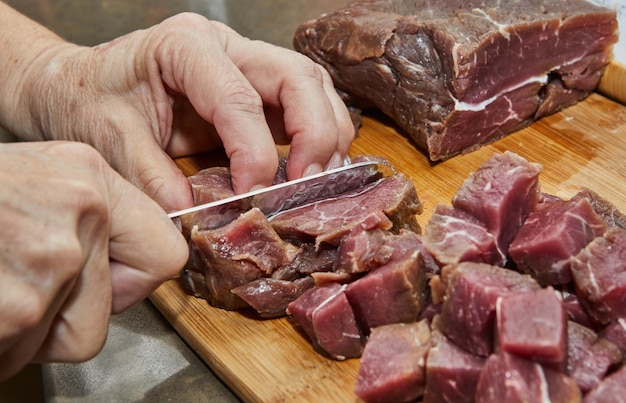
83,228
89,244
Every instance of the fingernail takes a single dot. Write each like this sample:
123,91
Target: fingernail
336,161
312,169
257,187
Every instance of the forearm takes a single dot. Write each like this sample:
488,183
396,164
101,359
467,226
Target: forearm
24,47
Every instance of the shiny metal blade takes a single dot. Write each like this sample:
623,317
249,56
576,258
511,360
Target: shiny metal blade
282,196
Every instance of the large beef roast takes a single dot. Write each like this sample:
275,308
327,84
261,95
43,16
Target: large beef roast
456,74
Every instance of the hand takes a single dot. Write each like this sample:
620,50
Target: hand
78,244
181,87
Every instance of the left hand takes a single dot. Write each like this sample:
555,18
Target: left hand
186,86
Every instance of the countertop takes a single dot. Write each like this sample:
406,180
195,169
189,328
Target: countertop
144,359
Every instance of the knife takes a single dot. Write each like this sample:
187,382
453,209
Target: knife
285,195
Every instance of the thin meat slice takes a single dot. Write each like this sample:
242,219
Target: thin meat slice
501,193
270,297
552,234
330,219
393,363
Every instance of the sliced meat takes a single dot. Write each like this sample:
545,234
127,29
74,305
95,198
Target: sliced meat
455,74
329,219
270,297
551,236
393,363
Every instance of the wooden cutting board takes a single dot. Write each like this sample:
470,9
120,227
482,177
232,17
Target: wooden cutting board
270,361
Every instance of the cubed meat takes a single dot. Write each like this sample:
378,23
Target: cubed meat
552,234
393,363
599,272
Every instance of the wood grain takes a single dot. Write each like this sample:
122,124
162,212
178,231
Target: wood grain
270,361
613,82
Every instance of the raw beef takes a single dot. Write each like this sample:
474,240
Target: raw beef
327,318
501,193
616,334
552,234
454,236
589,357
270,297
394,292
451,372
469,309
456,75
508,378
393,363
237,253
611,390
609,213
599,272
533,325
331,218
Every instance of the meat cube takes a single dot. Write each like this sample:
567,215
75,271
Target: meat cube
469,309
501,194
363,248
609,213
575,311
552,234
329,219
394,292
451,372
589,357
237,253
455,74
508,378
599,272
616,334
611,390
533,325
393,363
325,315
454,236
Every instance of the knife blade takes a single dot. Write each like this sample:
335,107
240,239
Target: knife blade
285,195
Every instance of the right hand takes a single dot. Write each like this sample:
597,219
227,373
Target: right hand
79,243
